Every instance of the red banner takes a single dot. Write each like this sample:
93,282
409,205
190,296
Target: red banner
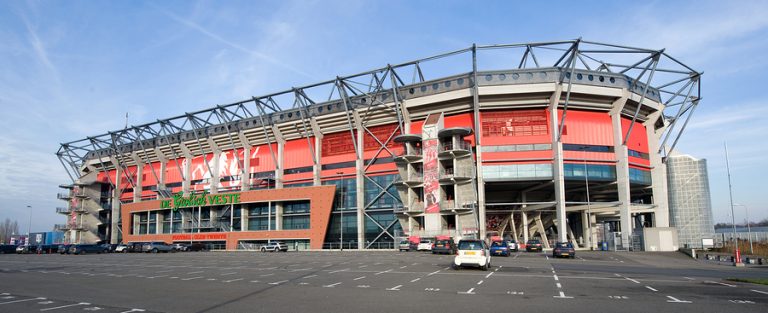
431,185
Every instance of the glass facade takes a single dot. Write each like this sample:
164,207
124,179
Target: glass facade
690,205
374,198
347,187
517,172
595,172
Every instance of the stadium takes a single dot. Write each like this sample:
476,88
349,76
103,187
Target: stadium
559,141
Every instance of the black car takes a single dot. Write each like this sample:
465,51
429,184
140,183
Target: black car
108,247
564,249
444,246
48,249
197,247
533,245
85,249
7,249
64,249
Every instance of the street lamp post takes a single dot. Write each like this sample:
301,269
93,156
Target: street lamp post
341,211
737,255
589,211
749,230
29,226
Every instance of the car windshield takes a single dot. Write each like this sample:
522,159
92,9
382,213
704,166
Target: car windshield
498,244
533,241
425,241
563,245
442,242
470,245
404,242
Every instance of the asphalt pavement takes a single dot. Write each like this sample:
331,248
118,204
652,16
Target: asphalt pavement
373,281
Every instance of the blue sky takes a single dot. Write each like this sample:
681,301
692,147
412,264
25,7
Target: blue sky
70,69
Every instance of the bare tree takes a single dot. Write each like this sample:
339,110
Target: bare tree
8,228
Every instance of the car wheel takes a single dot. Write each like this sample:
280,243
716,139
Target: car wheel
263,250
484,268
154,250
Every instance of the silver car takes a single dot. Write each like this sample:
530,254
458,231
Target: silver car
155,247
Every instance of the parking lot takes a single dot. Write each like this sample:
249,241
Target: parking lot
379,281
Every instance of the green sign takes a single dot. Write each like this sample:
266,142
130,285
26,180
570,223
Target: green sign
203,199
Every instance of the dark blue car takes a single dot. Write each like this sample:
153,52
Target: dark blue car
84,249
500,248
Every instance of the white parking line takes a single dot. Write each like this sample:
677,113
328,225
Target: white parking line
331,285
359,278
190,273
562,296
133,310
278,282
191,278
719,283
632,280
404,266
395,288
15,301
651,288
480,282
489,275
555,277
468,292
265,275
65,306
758,291
232,280
254,281
151,277
675,300
433,273
309,276
344,270
382,272
415,280
559,286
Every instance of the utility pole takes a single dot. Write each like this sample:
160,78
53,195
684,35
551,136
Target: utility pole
737,255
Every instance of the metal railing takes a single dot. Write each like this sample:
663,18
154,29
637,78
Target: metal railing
415,151
63,196
415,175
415,206
58,227
461,145
462,172
447,204
63,210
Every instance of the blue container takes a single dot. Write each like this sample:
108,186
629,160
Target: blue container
603,246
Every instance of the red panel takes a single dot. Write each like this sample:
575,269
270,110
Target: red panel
200,171
586,127
461,120
513,127
339,143
638,139
261,158
296,153
581,155
229,165
382,133
546,154
148,177
172,170
416,126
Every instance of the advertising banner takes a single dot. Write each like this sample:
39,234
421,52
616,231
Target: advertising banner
431,185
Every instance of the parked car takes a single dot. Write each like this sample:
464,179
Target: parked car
564,249
404,245
7,249
108,247
512,245
472,252
500,248
180,246
121,248
444,246
64,248
135,247
48,249
424,245
157,246
533,245
85,249
274,246
26,249
197,247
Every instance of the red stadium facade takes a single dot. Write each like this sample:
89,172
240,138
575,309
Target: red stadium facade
571,151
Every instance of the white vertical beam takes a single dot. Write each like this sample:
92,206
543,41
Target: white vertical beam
658,172
622,170
557,164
